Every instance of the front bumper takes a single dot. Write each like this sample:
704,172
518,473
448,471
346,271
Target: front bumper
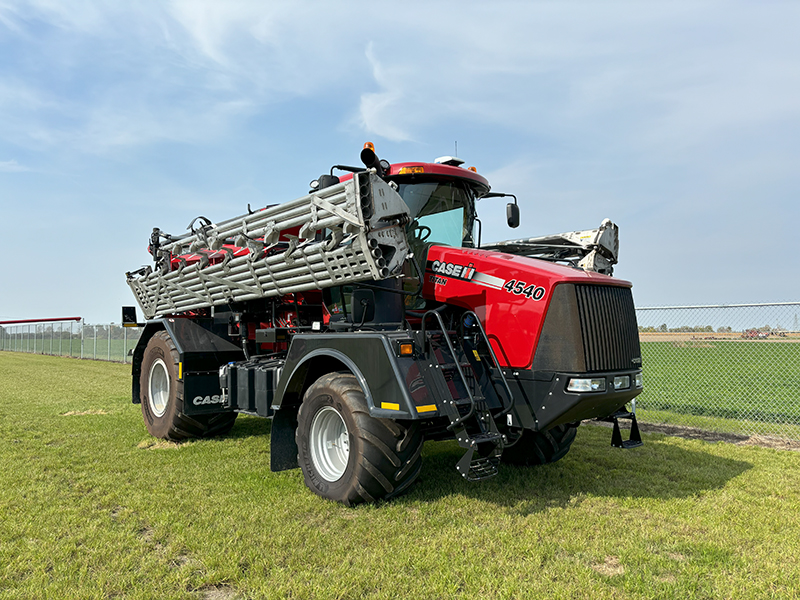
541,399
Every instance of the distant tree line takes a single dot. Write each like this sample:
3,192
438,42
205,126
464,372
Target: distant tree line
706,329
682,329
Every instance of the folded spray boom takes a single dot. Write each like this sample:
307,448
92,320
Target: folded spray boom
350,232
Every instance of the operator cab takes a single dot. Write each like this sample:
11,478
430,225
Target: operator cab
442,212
441,198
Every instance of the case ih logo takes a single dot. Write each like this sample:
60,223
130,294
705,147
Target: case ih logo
452,270
200,400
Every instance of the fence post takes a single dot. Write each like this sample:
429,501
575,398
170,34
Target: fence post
110,325
94,352
83,326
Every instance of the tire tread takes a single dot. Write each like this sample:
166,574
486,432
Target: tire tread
391,451
541,447
181,426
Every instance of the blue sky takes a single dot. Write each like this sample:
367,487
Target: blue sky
679,121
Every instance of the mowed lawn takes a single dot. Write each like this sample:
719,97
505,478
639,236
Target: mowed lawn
92,507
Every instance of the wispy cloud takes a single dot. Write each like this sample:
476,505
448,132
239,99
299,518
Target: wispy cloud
126,75
662,79
12,166
660,114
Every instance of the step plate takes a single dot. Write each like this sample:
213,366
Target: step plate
482,468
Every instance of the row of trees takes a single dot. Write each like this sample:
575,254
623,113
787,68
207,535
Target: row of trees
682,329
703,329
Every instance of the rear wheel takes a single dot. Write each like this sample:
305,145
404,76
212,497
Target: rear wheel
541,447
345,454
161,394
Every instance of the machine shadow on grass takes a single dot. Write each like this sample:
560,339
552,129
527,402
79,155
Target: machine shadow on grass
247,426
592,468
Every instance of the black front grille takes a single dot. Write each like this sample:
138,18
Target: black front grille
608,327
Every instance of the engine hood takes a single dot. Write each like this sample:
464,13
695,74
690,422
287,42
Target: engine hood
510,294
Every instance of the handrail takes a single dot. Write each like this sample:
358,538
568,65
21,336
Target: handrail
450,347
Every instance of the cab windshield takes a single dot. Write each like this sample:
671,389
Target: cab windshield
441,212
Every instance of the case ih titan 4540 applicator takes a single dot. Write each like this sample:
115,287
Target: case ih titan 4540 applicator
366,317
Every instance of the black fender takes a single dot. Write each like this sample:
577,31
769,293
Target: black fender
201,350
370,357
150,329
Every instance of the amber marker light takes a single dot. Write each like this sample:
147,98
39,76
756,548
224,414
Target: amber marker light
369,145
473,169
410,170
406,349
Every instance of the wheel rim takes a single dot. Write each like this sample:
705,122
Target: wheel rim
159,388
330,444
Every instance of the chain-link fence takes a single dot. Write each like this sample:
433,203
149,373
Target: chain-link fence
69,338
733,368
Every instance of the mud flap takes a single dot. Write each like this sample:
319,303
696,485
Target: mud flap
283,446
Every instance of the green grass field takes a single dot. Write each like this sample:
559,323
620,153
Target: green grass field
92,507
757,381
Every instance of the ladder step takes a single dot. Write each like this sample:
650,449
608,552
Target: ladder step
464,365
483,438
479,468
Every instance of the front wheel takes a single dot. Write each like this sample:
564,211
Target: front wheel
541,447
345,454
161,394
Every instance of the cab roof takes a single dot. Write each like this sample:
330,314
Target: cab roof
400,171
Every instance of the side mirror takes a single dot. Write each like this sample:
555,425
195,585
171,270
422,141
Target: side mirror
325,181
512,215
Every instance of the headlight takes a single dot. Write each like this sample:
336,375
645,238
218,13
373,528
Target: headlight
638,381
586,385
622,383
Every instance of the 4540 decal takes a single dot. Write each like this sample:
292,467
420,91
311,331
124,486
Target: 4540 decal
520,288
